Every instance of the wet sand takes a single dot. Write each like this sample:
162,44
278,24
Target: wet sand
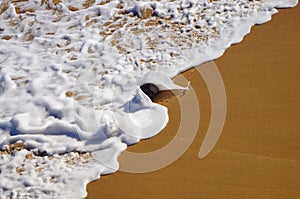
258,153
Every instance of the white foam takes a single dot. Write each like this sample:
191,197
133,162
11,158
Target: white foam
69,80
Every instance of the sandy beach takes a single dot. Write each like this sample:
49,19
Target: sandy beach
258,153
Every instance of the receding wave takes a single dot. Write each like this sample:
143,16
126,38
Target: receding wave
70,77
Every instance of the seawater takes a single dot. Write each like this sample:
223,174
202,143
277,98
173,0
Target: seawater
70,77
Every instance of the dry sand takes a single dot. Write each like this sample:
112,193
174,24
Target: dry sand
258,154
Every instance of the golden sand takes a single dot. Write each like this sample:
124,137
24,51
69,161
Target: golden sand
258,154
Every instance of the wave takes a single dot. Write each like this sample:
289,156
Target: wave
70,77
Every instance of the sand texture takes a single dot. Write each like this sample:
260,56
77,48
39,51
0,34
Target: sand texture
258,153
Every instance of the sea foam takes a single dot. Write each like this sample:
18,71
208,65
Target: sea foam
70,77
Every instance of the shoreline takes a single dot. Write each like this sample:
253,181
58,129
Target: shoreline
257,154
